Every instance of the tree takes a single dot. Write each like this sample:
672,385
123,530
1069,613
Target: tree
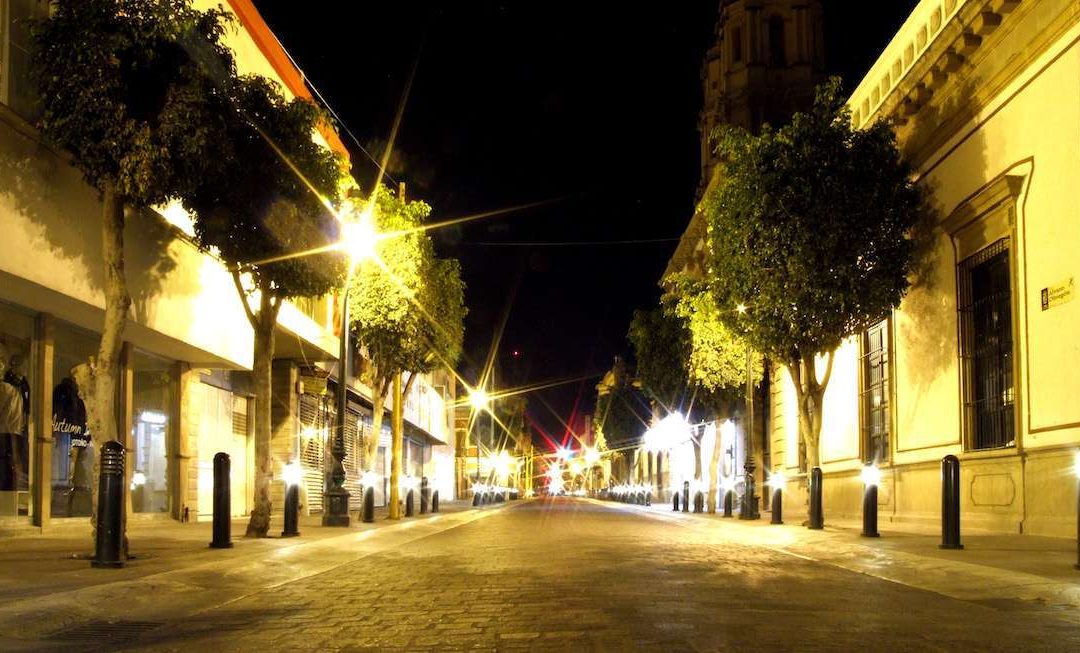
266,204
622,411
407,310
810,228
716,361
129,89
661,344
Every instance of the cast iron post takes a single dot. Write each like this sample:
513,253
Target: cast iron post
110,514
222,502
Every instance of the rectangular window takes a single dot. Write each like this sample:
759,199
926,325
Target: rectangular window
17,88
986,347
874,400
736,45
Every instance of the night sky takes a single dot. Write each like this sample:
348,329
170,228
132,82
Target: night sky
591,106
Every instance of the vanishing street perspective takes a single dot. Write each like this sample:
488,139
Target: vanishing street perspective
710,325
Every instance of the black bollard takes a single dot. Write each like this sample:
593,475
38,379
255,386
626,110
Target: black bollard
699,502
425,493
369,505
675,502
869,511
475,499
409,503
686,496
817,517
435,501
292,511
777,506
648,498
110,510
222,503
729,502
950,503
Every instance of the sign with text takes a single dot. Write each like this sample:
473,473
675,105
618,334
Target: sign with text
1057,294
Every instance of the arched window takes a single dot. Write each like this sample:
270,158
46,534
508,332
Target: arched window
777,55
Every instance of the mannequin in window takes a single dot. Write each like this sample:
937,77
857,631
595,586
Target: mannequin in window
16,376
70,433
12,417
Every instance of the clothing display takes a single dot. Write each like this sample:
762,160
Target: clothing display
12,421
73,455
17,441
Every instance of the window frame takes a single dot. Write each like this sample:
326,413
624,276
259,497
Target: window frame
974,440
866,438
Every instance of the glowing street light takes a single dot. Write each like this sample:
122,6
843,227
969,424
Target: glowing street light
479,399
562,453
592,456
358,240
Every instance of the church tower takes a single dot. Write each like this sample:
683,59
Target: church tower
767,57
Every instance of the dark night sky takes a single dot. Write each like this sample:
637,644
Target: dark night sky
593,104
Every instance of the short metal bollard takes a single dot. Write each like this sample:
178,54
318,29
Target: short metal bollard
222,503
368,515
817,516
292,512
108,545
475,499
950,503
777,505
410,502
425,493
699,502
869,512
686,496
648,498
729,502
435,501
675,502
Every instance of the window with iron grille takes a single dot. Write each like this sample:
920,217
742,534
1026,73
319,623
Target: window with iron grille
986,347
874,393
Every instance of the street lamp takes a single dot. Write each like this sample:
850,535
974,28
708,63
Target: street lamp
749,508
358,240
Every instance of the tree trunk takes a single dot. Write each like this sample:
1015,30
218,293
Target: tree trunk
397,427
697,457
378,406
263,322
714,472
810,397
105,368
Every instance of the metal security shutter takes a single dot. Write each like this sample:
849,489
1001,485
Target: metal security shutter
313,431
353,459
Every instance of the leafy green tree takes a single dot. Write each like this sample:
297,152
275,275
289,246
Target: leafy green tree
124,89
268,203
407,308
810,227
128,88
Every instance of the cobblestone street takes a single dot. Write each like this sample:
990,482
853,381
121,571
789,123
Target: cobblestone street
579,575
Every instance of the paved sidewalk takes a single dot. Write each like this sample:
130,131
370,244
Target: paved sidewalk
48,583
1016,572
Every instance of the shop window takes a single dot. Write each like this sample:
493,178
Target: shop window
152,392
874,399
16,333
986,347
17,88
73,450
777,53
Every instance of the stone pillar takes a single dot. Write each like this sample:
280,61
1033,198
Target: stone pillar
41,408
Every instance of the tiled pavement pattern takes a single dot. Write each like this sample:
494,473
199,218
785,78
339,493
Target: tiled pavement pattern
572,575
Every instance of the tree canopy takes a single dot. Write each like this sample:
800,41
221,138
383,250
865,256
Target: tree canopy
271,197
810,228
132,89
661,344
